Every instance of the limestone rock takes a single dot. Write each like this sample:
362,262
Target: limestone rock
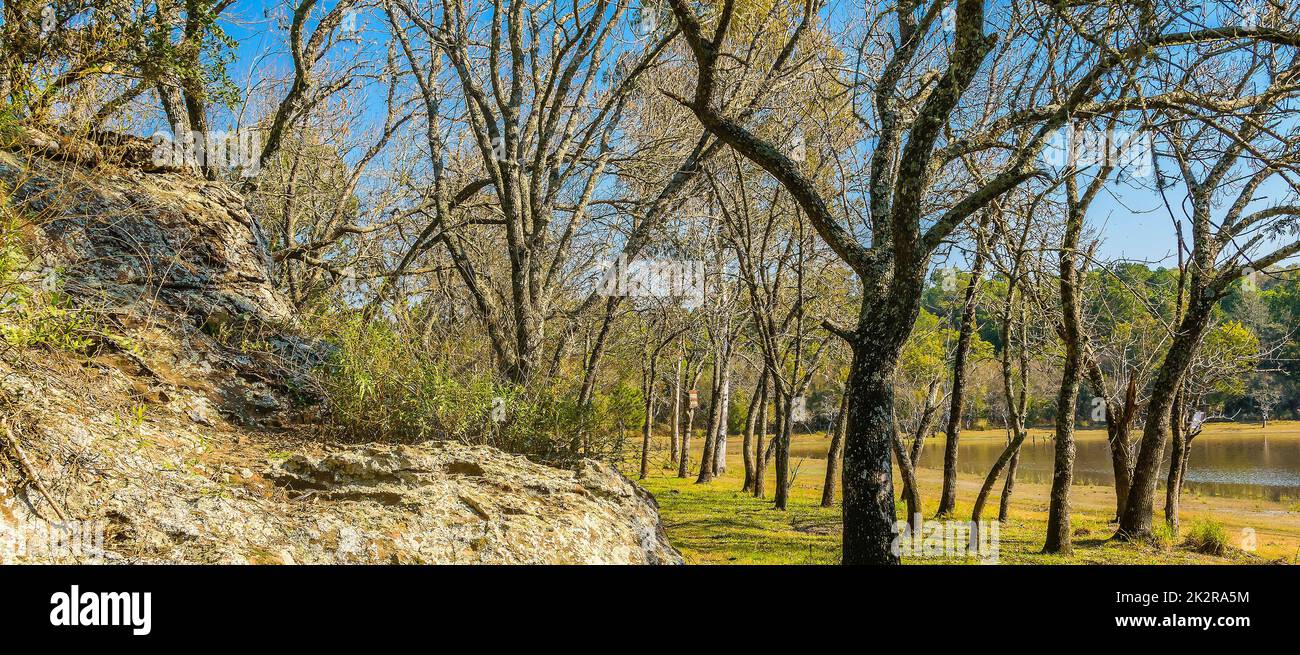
184,447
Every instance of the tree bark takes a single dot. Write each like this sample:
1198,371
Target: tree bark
1135,523
1015,403
707,458
1058,511
1008,454
1008,487
948,496
1177,458
751,421
918,440
834,453
724,415
868,484
1121,455
783,451
684,462
588,388
676,413
911,497
648,424
760,454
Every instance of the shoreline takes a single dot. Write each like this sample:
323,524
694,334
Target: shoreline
705,520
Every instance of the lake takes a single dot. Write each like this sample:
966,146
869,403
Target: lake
1232,460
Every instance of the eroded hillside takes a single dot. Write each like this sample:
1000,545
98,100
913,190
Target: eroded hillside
181,415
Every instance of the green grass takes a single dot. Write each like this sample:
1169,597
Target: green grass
715,523
1208,536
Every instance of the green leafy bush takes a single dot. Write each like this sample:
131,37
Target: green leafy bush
383,383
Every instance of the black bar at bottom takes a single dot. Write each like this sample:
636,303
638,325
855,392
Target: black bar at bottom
531,606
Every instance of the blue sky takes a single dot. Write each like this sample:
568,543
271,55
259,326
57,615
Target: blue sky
1132,220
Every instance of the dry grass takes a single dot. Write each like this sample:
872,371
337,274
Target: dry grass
717,524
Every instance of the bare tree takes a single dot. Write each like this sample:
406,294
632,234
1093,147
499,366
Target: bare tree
1222,161
834,452
541,122
1016,346
776,257
966,328
655,341
752,418
1266,396
914,107
694,368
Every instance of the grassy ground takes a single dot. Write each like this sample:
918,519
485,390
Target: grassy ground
718,524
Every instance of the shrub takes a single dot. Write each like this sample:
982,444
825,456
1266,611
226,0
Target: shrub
35,313
1207,536
1162,536
385,383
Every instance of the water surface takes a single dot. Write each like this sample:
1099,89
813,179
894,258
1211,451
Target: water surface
1241,464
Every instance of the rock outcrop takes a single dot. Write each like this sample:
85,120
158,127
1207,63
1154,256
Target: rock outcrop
188,432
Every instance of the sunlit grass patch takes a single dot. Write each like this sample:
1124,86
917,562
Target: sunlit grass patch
715,523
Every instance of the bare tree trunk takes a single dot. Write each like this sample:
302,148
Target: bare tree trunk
1182,466
760,454
751,422
724,416
1008,455
1016,403
833,454
1008,486
1058,512
686,443
918,438
783,450
676,413
1121,454
1177,457
707,458
649,384
948,496
928,414
588,388
911,497
1119,422
1058,538
868,505
647,425
1176,454
1135,523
